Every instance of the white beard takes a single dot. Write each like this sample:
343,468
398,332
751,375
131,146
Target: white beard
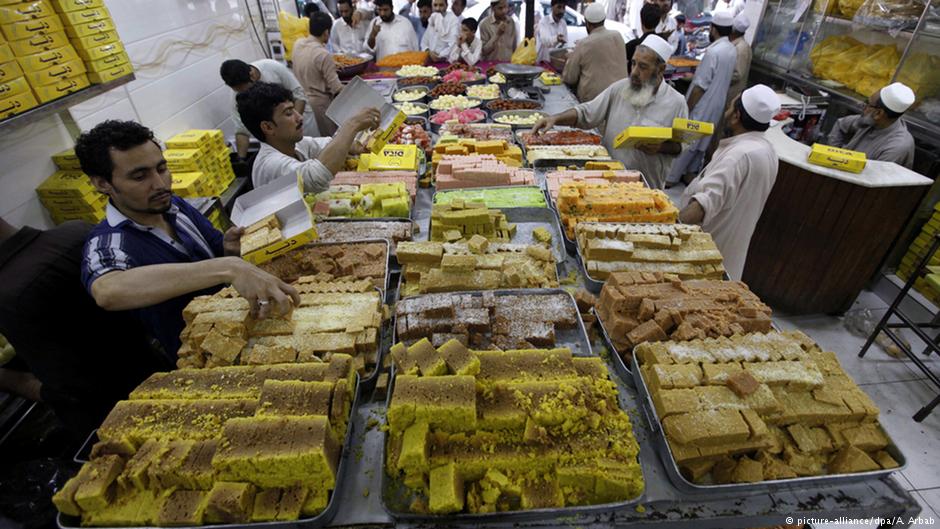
641,97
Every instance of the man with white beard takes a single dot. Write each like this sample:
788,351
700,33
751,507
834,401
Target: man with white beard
642,99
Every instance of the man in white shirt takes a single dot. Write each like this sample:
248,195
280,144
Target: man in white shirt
389,34
268,112
642,99
707,94
468,46
240,76
457,7
667,27
552,32
879,131
443,31
420,22
348,34
728,197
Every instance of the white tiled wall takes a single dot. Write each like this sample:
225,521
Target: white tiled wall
176,47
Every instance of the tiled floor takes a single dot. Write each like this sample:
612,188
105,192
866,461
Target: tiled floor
898,388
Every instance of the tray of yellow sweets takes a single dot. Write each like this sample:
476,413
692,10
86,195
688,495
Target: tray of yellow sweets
757,412
237,446
505,436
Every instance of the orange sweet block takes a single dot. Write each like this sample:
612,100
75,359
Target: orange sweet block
580,201
403,59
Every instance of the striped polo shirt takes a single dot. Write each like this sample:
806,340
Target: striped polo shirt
119,243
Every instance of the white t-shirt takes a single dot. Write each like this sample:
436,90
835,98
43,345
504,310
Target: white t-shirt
394,37
272,164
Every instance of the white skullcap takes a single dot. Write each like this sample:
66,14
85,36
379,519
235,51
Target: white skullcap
659,46
761,103
723,19
741,23
595,13
897,97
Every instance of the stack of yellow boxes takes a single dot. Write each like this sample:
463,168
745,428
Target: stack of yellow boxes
44,58
200,163
91,30
928,286
15,95
68,193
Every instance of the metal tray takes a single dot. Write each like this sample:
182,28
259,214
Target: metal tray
570,246
575,339
423,99
533,186
388,253
65,521
392,258
620,367
524,113
684,485
395,494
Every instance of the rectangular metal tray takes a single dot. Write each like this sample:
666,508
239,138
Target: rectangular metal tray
395,495
620,367
684,485
392,258
65,521
483,189
388,252
575,339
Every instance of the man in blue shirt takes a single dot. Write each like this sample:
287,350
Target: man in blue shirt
154,252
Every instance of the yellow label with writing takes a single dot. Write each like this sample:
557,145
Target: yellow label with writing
67,160
47,59
95,40
28,28
84,16
395,158
61,88
688,130
14,87
25,11
17,104
6,53
66,184
38,43
550,79
10,71
89,28
836,158
116,72
380,138
632,136
65,6
54,74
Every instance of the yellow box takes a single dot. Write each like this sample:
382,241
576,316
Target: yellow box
378,139
24,11
635,135
835,158
67,160
39,43
95,40
89,28
99,52
64,6
392,158
14,87
64,87
182,157
84,16
17,104
10,71
54,74
688,130
107,63
109,75
191,139
47,59
29,28
550,79
66,184
190,185
65,205
6,53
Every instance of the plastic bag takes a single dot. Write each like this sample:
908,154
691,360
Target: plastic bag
292,28
892,15
863,322
525,53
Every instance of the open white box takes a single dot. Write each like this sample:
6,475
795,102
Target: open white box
284,198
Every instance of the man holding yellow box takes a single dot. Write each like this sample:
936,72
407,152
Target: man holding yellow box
643,100
878,131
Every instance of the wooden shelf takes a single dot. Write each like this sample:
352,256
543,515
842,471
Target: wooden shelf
53,107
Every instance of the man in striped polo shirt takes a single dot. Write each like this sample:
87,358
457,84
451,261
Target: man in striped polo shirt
154,252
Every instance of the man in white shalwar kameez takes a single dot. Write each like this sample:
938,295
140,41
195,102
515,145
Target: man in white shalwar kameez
642,99
708,93
879,131
728,197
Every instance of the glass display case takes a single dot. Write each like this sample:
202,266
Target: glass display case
852,48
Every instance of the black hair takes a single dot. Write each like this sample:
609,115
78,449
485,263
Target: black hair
650,15
556,2
379,3
470,23
680,18
320,23
723,31
93,148
747,121
464,2
235,72
338,2
310,9
424,3
888,112
257,104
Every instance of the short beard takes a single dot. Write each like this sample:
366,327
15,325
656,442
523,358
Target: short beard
639,97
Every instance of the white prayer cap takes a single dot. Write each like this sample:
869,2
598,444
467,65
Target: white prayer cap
659,46
897,97
741,23
595,13
761,103
723,19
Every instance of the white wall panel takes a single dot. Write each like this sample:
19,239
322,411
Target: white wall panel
177,47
